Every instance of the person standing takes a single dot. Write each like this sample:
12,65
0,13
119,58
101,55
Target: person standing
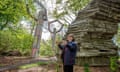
69,49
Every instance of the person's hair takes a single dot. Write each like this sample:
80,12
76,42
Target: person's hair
71,35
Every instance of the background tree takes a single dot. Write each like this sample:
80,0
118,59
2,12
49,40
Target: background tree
11,12
67,10
13,35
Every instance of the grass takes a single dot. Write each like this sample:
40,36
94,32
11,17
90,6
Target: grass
34,65
28,66
1,65
119,58
113,64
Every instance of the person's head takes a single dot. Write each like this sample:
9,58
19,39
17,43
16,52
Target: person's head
70,37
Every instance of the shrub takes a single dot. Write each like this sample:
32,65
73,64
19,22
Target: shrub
15,41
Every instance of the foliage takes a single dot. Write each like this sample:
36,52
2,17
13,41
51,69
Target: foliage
13,37
68,7
113,63
19,40
76,5
86,68
34,65
117,37
11,12
46,49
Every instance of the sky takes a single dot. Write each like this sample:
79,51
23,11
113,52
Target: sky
50,6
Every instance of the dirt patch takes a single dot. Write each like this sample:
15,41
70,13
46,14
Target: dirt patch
52,68
46,68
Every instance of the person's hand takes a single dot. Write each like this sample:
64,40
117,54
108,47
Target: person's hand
64,42
57,42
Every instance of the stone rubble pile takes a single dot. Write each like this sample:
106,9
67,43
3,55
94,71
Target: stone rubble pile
94,28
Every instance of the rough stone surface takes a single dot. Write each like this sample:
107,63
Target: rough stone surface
94,28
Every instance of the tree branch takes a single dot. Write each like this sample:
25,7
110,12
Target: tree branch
53,22
28,11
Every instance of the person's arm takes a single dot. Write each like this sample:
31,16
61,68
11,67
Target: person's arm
61,46
72,46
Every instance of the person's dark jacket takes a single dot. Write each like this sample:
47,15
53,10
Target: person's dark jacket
68,53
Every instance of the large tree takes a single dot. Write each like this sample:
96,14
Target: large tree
11,11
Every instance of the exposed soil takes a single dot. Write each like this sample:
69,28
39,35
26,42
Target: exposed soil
46,68
51,68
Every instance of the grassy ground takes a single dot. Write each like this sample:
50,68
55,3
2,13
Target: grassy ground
34,65
47,66
52,68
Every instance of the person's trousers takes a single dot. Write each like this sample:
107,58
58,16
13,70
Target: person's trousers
68,68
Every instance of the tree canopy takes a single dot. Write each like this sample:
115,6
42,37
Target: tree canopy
11,11
67,10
